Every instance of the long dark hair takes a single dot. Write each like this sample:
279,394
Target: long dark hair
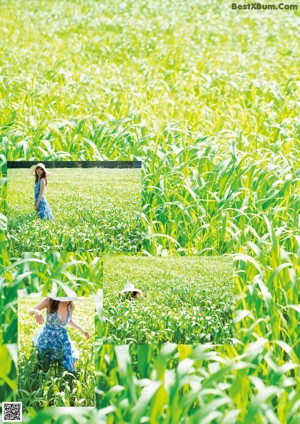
53,305
43,175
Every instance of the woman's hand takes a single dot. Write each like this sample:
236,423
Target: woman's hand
38,316
36,206
87,335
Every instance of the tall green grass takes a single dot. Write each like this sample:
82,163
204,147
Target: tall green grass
207,98
185,300
42,386
242,384
213,205
94,210
121,76
80,273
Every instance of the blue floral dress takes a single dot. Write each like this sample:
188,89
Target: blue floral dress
44,211
53,341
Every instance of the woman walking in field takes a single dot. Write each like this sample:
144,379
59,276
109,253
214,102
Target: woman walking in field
41,205
52,341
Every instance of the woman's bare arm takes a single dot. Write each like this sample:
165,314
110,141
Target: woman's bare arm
77,327
36,310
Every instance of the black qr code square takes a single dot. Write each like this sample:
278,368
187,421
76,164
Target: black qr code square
12,411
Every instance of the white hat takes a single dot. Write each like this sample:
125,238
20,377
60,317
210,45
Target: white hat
64,299
40,165
129,287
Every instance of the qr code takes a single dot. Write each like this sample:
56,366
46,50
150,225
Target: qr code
12,411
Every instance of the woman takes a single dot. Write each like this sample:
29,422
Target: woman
131,292
52,341
40,202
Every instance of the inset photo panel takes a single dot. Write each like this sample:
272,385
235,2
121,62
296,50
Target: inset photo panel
55,350
74,206
56,328
155,300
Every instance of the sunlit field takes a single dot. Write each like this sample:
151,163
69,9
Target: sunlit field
68,273
41,386
94,210
90,80
208,98
185,300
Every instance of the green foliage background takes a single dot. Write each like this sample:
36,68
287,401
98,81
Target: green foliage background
95,210
40,388
66,273
186,300
207,98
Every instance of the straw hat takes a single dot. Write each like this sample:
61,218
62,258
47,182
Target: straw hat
129,287
40,165
64,299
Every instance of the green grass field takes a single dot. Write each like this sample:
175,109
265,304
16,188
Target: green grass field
68,273
208,98
186,300
42,273
120,76
94,210
54,386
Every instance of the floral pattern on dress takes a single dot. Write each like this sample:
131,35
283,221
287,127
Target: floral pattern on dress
44,211
53,341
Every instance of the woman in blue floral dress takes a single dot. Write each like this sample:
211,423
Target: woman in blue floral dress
52,341
41,204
